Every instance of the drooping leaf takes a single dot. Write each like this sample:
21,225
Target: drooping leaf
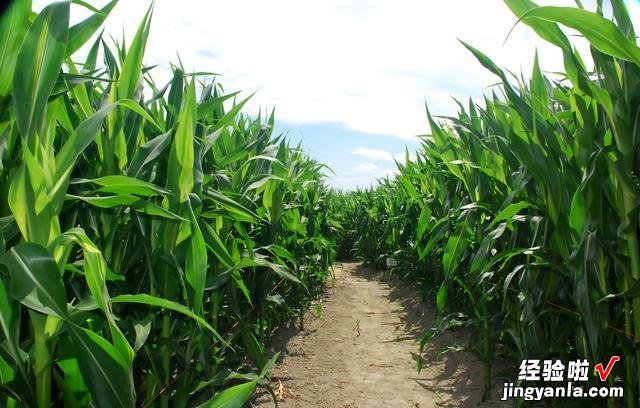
167,304
35,279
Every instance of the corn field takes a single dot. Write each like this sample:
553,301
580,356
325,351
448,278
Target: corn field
520,214
152,235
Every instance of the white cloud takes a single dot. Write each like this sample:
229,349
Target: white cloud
381,154
366,168
370,65
378,154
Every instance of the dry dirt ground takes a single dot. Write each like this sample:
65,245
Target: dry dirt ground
361,352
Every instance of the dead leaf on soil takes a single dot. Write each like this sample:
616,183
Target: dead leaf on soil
283,393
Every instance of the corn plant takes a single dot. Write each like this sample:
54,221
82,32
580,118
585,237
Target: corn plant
152,236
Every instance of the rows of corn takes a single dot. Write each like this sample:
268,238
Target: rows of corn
520,215
151,235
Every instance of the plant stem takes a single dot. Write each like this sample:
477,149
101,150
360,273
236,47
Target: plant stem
42,359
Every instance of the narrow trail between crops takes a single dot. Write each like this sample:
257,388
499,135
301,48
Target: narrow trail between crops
361,351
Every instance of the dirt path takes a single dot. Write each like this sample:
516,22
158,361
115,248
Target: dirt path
361,351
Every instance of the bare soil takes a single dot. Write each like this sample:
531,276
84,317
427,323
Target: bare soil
362,349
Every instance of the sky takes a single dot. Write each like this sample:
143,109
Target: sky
349,79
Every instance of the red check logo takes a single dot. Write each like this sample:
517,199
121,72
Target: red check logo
603,373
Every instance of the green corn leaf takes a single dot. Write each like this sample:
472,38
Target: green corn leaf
452,253
229,117
105,372
216,245
36,280
547,30
272,200
95,272
578,213
181,157
133,106
108,201
39,63
22,201
132,65
125,185
485,61
282,270
441,297
423,222
158,211
233,206
539,94
269,365
74,390
600,32
174,101
239,282
508,212
632,292
196,264
623,19
10,329
233,397
147,153
14,24
83,136
212,104
256,353
80,33
9,319
142,329
170,305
